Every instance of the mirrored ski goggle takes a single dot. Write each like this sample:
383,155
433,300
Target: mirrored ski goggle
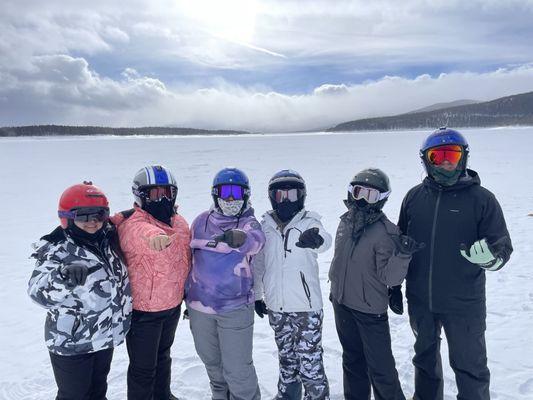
371,195
450,153
86,214
281,195
225,192
156,193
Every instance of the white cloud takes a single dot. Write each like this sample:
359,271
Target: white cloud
60,62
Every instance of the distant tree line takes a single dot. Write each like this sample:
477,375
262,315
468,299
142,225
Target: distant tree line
65,130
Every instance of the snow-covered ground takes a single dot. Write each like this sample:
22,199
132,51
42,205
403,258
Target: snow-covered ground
34,171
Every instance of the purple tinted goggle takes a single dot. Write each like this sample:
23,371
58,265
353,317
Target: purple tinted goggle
235,192
86,214
371,195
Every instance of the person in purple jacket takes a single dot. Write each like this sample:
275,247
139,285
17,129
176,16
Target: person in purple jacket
219,290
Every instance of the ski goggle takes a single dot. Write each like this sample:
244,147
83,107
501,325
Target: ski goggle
156,193
280,195
86,214
450,153
371,195
227,191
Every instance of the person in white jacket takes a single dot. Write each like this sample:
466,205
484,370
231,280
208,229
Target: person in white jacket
286,276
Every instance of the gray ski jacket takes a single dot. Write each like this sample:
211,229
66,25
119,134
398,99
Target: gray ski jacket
85,318
360,273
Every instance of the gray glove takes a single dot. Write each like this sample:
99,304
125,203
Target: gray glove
234,238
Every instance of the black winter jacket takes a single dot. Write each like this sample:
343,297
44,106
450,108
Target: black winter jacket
443,218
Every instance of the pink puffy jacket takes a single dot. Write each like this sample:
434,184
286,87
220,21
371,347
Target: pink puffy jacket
157,277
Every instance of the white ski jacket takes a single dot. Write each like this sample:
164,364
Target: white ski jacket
285,275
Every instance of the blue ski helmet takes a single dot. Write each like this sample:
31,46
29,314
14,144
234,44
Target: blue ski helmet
231,176
442,137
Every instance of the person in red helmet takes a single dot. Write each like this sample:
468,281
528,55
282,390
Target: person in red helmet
81,279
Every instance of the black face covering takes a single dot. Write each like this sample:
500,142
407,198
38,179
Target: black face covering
287,210
82,236
443,177
162,210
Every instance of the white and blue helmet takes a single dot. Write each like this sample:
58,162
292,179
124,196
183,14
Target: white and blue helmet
149,177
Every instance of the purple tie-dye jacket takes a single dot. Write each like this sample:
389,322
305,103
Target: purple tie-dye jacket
221,277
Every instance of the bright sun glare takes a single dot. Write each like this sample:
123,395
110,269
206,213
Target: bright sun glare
230,19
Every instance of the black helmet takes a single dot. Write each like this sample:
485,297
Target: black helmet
373,178
285,207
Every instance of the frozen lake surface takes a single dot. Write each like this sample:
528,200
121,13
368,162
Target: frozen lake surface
35,171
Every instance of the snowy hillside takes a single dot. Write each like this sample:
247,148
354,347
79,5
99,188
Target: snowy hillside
35,171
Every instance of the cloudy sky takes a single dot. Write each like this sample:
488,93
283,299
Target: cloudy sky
256,65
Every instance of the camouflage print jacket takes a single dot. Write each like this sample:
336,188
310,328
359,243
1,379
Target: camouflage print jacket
85,318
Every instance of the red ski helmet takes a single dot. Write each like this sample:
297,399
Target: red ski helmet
79,196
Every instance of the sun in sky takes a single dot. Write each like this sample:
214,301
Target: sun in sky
232,20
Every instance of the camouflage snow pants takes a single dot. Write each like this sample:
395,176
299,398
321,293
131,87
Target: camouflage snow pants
298,337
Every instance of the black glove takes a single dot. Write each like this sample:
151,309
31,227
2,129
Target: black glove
75,274
407,245
127,213
310,239
233,237
396,299
260,308
186,314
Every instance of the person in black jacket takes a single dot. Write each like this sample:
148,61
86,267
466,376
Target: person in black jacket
465,233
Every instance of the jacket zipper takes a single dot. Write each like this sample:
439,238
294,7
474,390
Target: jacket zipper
306,288
432,250
364,293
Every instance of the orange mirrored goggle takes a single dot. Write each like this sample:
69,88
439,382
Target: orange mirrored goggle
450,153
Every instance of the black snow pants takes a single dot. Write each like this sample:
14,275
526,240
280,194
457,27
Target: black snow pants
82,376
367,359
149,341
467,352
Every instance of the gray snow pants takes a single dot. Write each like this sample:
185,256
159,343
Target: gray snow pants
298,336
224,344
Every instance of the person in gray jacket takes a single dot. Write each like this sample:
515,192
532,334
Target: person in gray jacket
370,256
286,274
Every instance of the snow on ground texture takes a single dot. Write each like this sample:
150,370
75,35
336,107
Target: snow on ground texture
34,172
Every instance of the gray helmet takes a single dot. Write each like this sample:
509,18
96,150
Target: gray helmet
151,176
374,178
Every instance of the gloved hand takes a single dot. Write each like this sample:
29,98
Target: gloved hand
310,239
160,242
233,237
186,314
396,299
407,245
127,213
260,308
482,254
75,274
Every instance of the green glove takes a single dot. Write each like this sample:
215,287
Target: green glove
481,254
